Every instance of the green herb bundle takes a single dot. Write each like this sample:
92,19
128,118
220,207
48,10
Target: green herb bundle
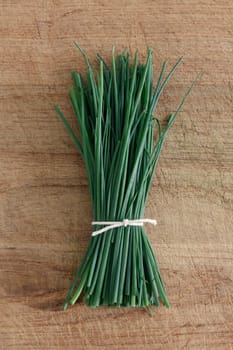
114,107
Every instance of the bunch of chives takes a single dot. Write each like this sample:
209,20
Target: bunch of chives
114,107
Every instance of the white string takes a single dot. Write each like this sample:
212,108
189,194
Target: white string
109,225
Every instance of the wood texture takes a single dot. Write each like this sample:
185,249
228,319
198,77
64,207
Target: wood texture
45,209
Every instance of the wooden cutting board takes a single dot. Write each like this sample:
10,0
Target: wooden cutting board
45,210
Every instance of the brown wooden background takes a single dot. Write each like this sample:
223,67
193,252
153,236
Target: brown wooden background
45,210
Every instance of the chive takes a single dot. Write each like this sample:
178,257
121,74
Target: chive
114,108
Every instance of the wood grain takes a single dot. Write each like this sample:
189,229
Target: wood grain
45,210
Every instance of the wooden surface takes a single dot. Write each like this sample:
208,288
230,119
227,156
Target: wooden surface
45,209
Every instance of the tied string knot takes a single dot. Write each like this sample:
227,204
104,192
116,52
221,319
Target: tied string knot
109,225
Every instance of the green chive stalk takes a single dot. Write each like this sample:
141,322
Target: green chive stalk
114,107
